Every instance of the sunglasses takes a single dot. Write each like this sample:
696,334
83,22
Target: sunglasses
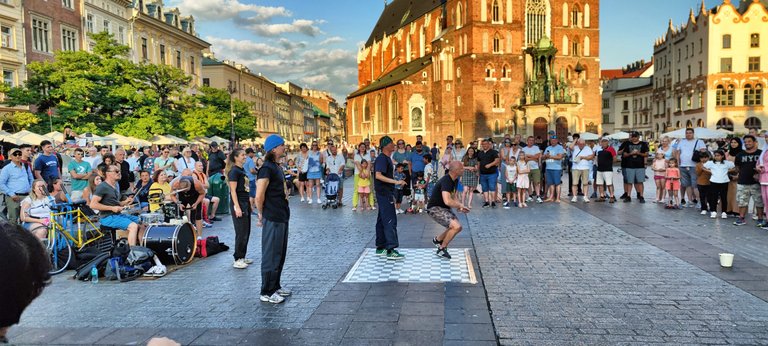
18,153
114,171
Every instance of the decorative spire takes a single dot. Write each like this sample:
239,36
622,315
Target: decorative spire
692,17
703,9
671,26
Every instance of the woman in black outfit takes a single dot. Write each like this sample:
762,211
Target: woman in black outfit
240,206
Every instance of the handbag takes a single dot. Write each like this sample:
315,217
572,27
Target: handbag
696,157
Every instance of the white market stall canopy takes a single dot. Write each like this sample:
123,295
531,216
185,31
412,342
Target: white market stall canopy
31,138
699,132
167,140
589,136
125,140
219,139
619,135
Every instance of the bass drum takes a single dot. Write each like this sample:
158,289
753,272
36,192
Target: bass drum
171,243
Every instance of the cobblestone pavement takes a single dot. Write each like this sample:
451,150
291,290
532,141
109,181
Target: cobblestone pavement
552,274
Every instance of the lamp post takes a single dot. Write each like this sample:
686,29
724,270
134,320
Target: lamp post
232,89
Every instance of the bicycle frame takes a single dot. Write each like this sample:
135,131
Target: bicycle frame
72,221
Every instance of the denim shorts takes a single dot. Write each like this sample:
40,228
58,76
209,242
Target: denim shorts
553,177
488,182
688,176
634,175
119,221
252,188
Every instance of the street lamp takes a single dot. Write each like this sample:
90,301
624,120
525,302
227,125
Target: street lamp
232,89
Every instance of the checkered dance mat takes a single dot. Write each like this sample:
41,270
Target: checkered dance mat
419,265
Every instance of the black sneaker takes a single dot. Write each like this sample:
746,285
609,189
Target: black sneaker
641,199
443,253
486,205
682,201
627,199
215,218
493,204
436,242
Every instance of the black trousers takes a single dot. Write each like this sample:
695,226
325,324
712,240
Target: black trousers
274,247
704,191
242,227
718,191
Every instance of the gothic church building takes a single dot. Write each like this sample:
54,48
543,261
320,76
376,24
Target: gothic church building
478,68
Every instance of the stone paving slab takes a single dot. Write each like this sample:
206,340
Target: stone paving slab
577,279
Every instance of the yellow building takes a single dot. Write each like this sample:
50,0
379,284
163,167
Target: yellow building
12,49
709,72
162,36
105,15
244,85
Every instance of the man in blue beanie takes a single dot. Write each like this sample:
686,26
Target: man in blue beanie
384,186
274,213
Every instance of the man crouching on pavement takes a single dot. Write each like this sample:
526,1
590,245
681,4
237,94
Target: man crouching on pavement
439,208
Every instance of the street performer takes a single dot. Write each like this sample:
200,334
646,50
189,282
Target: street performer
439,208
108,200
191,195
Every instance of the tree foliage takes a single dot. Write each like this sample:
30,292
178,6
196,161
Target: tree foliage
102,91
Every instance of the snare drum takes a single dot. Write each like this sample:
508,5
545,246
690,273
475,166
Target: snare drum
152,218
171,211
171,243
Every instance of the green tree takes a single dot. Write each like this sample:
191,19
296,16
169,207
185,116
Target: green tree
219,99
19,120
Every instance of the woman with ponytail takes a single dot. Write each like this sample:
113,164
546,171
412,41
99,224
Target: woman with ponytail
240,207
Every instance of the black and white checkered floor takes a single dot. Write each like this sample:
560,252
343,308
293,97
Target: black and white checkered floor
419,265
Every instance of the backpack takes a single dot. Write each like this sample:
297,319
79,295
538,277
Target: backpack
210,246
117,270
83,272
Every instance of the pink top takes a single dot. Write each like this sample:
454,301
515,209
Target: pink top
659,166
673,173
763,162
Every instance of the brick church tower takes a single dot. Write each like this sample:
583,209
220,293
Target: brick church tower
478,68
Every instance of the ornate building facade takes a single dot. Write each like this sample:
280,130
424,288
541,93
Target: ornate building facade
111,16
478,68
709,72
12,50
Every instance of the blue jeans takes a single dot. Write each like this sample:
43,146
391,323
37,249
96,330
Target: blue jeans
488,182
553,176
386,223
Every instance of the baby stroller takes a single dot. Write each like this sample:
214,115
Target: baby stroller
331,191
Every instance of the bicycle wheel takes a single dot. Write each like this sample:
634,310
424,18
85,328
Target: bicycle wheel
60,253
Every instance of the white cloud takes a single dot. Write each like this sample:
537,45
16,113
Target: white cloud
217,10
249,48
331,40
315,80
301,26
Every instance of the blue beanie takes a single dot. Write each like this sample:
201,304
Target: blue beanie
272,142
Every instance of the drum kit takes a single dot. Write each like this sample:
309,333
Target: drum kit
169,234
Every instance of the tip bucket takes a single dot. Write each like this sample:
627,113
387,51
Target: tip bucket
726,260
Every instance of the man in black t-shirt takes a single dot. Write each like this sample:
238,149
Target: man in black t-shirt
439,208
605,158
747,187
384,186
216,160
489,161
634,153
272,203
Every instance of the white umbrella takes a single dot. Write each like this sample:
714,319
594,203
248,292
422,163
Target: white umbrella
30,138
589,136
679,133
619,135
699,132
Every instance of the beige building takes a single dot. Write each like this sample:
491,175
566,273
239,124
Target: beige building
244,85
296,109
12,49
160,35
625,103
709,71
105,15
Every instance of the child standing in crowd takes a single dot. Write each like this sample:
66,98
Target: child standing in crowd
719,168
673,184
364,185
511,183
523,183
399,175
659,168
418,193
702,181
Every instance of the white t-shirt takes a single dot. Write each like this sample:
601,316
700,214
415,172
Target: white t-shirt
532,151
511,173
581,163
686,148
182,164
719,171
359,158
39,208
333,164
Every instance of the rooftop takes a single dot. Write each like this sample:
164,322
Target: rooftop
394,77
398,14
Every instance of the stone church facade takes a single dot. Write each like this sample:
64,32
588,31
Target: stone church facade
478,68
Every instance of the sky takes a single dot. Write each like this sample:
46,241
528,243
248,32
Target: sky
314,44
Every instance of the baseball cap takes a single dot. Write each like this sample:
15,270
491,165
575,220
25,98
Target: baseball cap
635,134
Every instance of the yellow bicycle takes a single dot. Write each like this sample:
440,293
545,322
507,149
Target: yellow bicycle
69,230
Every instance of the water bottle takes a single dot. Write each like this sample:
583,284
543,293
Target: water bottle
94,275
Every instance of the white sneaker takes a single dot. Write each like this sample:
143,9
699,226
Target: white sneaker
302,199
319,202
713,215
309,201
724,215
274,298
529,199
703,212
754,217
586,200
574,199
373,208
240,264
354,209
284,292
538,200
247,260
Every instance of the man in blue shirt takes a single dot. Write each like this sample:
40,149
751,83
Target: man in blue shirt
553,157
417,160
16,183
47,165
250,171
384,186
